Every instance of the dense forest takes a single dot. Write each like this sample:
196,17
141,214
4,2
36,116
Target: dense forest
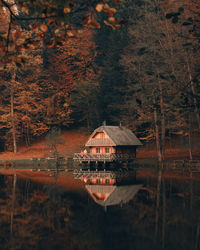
134,62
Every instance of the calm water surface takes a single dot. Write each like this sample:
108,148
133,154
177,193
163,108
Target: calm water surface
59,212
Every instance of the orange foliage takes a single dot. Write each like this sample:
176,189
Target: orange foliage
45,16
73,60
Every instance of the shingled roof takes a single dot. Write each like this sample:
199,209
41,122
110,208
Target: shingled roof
118,136
114,194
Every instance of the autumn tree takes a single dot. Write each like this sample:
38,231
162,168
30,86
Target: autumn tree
8,119
184,22
31,25
184,19
73,65
47,21
74,60
160,69
146,67
21,107
159,53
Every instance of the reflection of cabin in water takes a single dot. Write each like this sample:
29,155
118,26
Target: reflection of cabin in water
108,144
109,188
105,177
112,195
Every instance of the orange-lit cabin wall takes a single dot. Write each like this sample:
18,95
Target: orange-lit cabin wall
100,135
102,150
100,181
130,150
100,196
113,150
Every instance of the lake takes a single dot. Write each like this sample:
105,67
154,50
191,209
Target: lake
98,210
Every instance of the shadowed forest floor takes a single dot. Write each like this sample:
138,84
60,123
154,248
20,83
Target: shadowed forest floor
74,140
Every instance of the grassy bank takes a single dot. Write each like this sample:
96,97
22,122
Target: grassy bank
74,140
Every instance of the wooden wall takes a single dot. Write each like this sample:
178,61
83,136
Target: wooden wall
126,150
100,135
102,150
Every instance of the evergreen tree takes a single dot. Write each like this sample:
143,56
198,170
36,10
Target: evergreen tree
84,104
110,43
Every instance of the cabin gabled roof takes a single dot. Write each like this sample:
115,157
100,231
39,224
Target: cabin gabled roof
117,136
113,194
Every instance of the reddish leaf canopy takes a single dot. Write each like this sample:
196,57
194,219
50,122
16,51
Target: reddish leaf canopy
73,61
46,20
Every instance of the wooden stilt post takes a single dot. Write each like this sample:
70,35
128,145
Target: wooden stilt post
96,165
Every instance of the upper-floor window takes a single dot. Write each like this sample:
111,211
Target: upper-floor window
97,150
107,150
99,135
102,135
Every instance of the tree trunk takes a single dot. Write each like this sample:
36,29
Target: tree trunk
12,210
196,109
191,158
162,111
163,211
160,168
189,138
171,50
197,237
158,146
12,117
28,143
27,134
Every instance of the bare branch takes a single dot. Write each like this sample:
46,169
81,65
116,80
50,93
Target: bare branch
5,4
8,6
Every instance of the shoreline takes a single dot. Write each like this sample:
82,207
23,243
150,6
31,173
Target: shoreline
67,177
170,154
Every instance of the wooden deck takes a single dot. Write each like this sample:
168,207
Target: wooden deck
102,157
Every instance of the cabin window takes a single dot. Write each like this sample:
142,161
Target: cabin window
102,135
97,181
107,150
97,150
107,181
99,135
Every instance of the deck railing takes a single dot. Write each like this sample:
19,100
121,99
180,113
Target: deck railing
102,157
94,174
101,174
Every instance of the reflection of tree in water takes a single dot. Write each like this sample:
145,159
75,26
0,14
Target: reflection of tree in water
43,220
182,221
49,217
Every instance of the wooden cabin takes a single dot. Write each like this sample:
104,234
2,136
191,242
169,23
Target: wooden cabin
110,143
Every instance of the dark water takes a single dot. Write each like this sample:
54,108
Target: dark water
38,215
